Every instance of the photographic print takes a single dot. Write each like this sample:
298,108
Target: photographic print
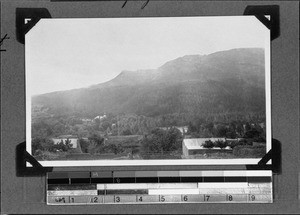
148,91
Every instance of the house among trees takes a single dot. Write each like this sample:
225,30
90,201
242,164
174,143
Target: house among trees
195,146
86,120
183,129
100,117
71,139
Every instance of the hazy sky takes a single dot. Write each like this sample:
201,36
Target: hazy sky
64,54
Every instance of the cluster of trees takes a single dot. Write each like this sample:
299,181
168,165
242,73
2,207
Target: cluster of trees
201,128
123,124
91,145
95,144
92,134
223,144
243,148
162,141
39,145
55,126
248,151
218,143
225,125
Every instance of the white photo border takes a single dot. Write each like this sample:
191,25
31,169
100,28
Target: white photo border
164,162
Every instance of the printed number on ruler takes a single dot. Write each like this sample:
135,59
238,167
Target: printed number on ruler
60,199
206,198
252,197
94,199
162,198
117,199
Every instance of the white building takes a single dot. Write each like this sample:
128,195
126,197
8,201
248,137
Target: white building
194,146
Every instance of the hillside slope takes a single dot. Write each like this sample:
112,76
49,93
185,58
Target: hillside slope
222,82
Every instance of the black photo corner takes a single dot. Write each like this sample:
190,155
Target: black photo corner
261,11
22,157
26,18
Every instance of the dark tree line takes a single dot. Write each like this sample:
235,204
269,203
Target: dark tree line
40,145
162,141
218,143
201,128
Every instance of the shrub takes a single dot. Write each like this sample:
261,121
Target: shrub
36,146
68,143
96,139
161,141
59,147
233,144
84,145
244,142
249,151
231,135
259,139
220,143
116,149
208,144
253,133
41,144
126,132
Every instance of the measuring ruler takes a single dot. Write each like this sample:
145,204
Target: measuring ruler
146,187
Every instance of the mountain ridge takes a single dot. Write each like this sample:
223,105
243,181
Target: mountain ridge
157,73
231,81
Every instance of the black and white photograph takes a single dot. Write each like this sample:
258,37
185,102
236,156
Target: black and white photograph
148,91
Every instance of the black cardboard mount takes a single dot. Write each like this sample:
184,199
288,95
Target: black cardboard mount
33,15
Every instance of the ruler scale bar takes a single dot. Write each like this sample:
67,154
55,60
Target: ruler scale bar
72,187
136,174
71,192
145,187
136,199
126,191
172,191
160,180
